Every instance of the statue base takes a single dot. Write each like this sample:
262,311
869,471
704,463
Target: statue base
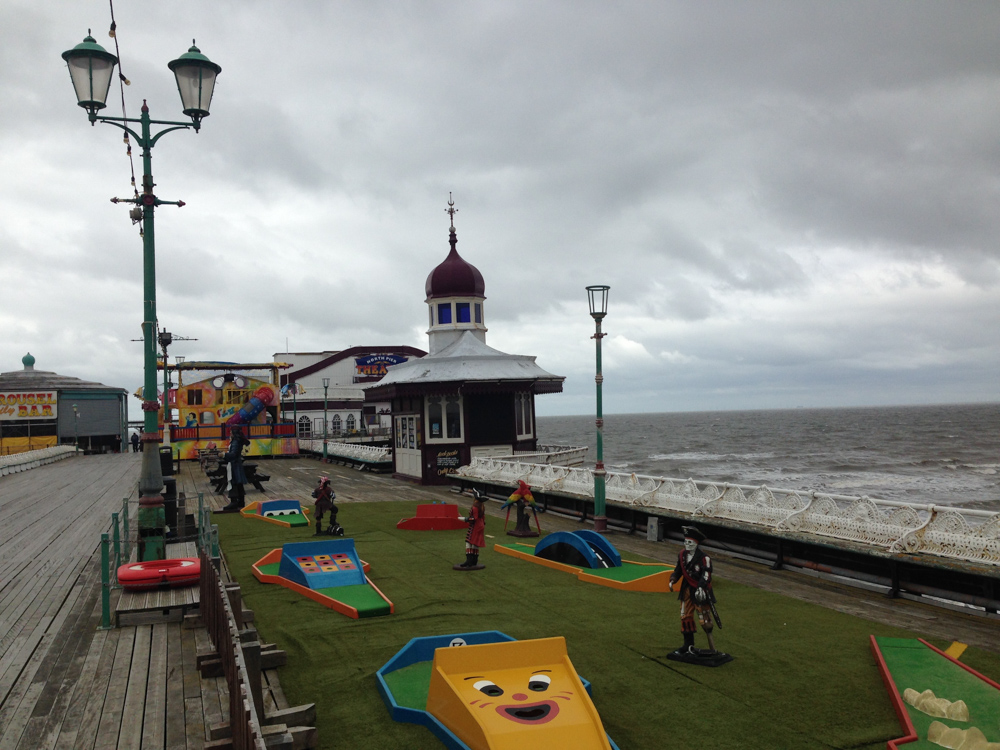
701,656
470,567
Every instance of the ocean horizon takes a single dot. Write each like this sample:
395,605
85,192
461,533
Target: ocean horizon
943,454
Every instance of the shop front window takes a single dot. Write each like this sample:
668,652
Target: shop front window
444,419
453,417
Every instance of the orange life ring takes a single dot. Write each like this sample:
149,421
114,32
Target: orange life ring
181,571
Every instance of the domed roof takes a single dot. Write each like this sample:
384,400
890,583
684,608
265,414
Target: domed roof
455,277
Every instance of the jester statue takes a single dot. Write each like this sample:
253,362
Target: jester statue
694,574
522,499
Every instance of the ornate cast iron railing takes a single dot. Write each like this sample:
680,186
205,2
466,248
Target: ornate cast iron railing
947,531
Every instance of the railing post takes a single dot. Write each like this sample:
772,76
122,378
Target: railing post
127,529
105,585
117,540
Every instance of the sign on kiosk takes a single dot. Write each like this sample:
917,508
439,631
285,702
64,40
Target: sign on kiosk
20,405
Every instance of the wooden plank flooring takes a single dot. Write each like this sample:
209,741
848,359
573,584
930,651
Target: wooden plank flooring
64,683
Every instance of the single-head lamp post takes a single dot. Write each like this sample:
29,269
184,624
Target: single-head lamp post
598,296
195,76
76,430
90,69
326,388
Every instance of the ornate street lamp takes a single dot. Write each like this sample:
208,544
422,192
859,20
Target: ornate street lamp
326,388
76,430
91,68
598,309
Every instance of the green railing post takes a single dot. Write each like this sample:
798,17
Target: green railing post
117,540
105,584
127,527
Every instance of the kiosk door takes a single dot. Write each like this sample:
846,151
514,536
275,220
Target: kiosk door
408,445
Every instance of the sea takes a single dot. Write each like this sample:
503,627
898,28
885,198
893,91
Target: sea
941,455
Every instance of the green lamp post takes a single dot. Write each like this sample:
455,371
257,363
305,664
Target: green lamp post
91,68
326,388
598,309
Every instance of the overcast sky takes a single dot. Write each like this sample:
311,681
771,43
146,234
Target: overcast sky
794,203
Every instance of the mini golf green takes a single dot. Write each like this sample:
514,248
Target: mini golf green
409,685
626,573
913,664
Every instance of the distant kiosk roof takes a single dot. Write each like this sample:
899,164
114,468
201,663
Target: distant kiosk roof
469,360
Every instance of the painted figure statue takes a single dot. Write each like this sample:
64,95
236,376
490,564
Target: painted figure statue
237,475
694,572
522,500
325,496
475,537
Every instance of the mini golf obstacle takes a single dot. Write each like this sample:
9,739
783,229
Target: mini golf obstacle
940,702
487,691
593,559
434,517
282,512
329,572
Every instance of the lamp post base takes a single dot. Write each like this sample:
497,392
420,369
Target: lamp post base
600,524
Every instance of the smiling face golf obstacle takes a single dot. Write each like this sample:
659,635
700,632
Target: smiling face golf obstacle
485,691
328,572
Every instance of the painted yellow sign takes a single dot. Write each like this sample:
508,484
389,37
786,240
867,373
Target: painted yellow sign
23,405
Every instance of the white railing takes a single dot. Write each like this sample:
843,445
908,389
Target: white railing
352,451
17,462
947,531
561,455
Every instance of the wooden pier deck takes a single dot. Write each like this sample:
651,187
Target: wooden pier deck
65,683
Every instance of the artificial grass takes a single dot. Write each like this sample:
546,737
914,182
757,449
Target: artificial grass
804,676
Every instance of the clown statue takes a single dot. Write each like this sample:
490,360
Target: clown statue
522,499
694,573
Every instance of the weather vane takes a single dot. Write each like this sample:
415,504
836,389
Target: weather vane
451,210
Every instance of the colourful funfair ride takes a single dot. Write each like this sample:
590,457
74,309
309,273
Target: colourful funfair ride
202,410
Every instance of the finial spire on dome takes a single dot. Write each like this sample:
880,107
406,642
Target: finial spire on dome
451,211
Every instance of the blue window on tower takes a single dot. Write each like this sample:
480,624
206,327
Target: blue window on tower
479,313
462,312
444,313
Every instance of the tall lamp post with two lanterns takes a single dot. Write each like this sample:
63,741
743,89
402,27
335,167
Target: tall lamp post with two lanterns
598,295
91,68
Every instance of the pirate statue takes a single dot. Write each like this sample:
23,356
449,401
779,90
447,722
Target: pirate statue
694,572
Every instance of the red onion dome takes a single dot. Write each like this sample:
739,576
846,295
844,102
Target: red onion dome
455,277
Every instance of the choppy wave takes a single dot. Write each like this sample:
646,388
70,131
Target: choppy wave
944,455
